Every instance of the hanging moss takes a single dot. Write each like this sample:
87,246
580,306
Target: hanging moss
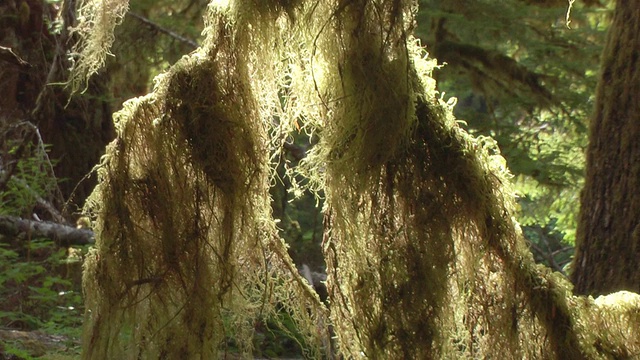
96,21
187,256
424,257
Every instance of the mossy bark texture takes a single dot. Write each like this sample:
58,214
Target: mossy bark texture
608,236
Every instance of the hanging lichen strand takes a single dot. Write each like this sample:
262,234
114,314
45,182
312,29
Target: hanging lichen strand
187,259
97,20
424,258
409,205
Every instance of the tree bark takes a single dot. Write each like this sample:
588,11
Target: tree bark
608,234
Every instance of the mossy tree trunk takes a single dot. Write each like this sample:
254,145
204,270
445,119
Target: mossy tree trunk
608,236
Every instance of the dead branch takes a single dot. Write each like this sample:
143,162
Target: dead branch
164,30
64,235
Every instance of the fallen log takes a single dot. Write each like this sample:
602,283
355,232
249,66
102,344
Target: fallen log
64,235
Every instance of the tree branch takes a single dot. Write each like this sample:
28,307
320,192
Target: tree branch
42,203
64,235
164,30
493,67
298,152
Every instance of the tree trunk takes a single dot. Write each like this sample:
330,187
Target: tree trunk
608,235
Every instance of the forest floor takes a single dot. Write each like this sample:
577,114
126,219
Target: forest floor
19,345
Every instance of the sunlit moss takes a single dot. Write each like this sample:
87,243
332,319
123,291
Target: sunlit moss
425,259
187,253
97,20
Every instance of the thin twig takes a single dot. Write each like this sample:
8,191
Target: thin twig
8,55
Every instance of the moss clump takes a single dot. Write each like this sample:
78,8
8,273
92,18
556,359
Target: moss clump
187,255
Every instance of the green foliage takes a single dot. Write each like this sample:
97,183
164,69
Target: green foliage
37,289
279,337
15,349
39,282
548,246
524,78
28,177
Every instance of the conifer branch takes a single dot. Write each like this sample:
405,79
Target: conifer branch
164,30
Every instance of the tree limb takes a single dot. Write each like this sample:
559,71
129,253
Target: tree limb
493,67
164,30
42,203
63,235
298,152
